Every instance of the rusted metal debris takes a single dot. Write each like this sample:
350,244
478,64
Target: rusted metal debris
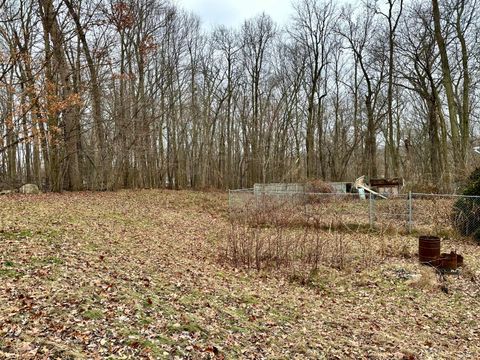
429,254
450,261
387,186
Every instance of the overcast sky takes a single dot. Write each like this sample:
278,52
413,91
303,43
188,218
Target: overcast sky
234,12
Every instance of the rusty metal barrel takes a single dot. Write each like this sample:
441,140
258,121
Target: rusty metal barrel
429,250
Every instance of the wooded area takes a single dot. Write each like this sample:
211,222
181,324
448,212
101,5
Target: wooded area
109,94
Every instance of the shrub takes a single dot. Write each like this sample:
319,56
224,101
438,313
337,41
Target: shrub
318,186
466,210
314,189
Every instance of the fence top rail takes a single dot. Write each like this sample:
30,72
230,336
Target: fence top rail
286,191
446,195
267,192
304,193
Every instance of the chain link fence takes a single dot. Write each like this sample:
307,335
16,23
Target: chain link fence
443,215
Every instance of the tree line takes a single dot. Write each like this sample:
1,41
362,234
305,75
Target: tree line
108,94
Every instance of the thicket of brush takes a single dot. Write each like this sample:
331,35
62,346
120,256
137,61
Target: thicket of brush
279,237
325,211
466,211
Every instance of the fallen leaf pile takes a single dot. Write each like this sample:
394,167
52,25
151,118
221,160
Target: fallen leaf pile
136,274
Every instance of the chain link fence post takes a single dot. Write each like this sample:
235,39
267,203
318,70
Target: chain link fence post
371,211
410,214
304,199
229,200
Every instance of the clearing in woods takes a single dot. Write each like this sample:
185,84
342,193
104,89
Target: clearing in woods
138,274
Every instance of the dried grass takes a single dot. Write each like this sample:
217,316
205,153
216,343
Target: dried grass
327,211
427,280
305,250
289,234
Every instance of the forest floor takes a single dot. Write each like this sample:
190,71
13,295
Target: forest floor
136,274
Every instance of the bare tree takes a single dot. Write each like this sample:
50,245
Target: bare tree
313,25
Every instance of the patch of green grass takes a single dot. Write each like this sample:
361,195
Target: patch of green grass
136,341
311,280
238,329
249,299
191,327
168,310
91,246
9,263
148,344
128,332
16,234
8,273
147,303
54,260
24,233
221,274
163,340
51,234
47,260
145,320
93,314
282,316
232,316
192,298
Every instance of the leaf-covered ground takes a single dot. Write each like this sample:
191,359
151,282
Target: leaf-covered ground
136,274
